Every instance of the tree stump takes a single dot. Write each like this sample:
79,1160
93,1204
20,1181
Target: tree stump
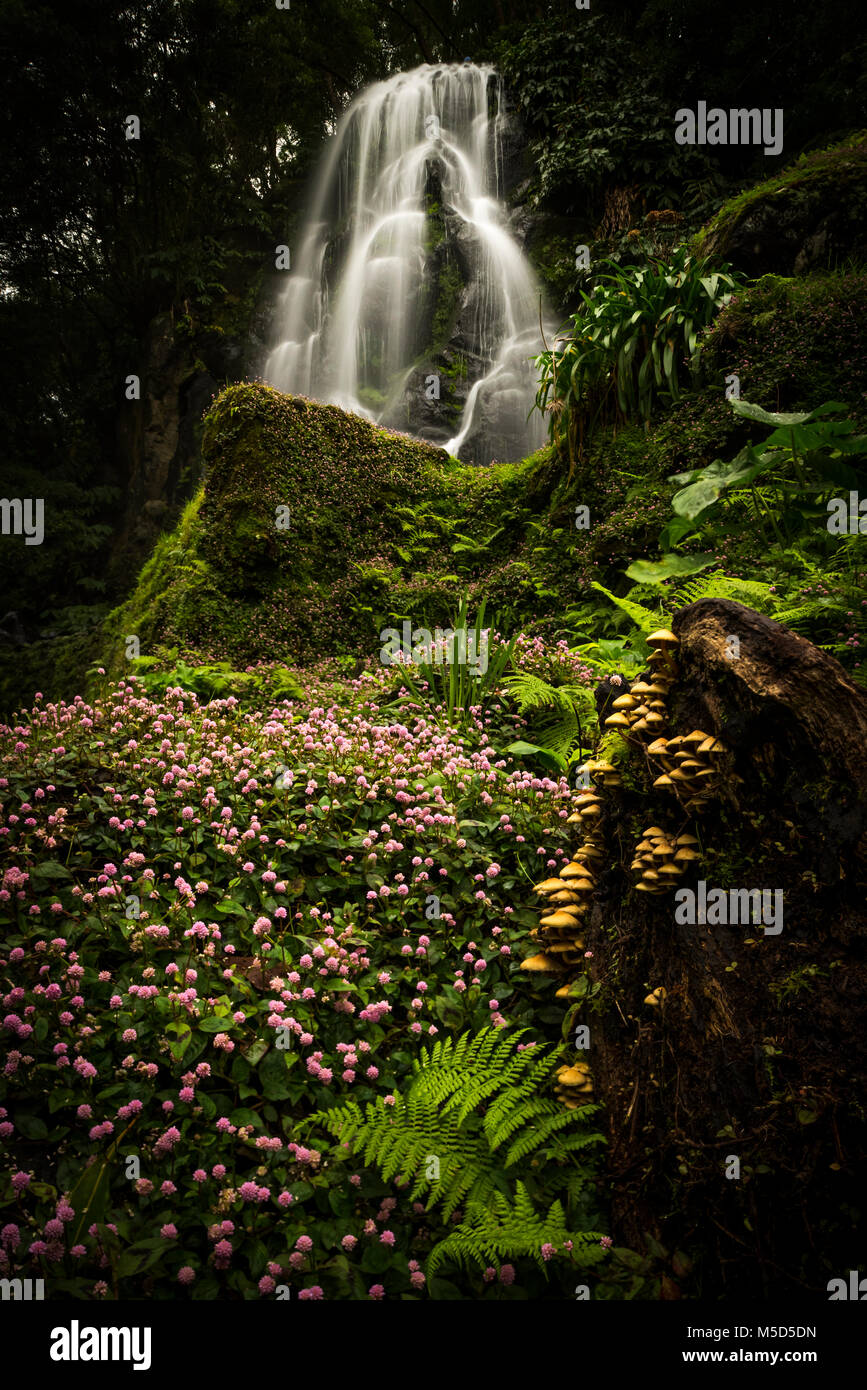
736,1110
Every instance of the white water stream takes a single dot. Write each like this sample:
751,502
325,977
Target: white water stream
409,185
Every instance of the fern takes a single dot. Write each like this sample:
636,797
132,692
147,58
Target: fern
507,1230
572,710
747,591
481,1108
643,618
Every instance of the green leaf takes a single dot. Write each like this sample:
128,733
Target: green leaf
244,1116
767,417
216,1023
273,1075
655,571
49,869
31,1126
180,1036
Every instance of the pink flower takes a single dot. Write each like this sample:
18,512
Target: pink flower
376,1292
186,1274
169,1231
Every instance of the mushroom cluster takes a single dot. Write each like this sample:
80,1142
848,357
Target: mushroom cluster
643,711
567,900
691,767
574,1085
605,774
660,859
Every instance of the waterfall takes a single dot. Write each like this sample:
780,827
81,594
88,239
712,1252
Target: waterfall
409,301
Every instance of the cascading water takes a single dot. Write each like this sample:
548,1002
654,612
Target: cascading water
409,301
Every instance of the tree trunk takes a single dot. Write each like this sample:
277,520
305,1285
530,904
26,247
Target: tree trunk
736,1108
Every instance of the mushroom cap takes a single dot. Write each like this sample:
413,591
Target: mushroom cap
548,885
686,854
687,839
575,1075
711,745
656,996
659,746
663,781
563,917
570,871
697,737
671,870
590,812
624,702
650,876
617,721
653,832
663,638
542,964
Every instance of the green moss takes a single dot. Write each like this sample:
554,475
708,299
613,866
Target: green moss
836,176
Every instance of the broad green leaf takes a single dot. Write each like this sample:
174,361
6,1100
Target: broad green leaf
767,417
655,571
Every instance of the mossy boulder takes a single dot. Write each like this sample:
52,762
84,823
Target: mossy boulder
312,529
812,216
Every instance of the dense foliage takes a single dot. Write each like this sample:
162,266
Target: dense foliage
226,923
263,891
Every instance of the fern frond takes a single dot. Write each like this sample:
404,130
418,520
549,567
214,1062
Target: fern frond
642,617
747,591
466,1099
506,1230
